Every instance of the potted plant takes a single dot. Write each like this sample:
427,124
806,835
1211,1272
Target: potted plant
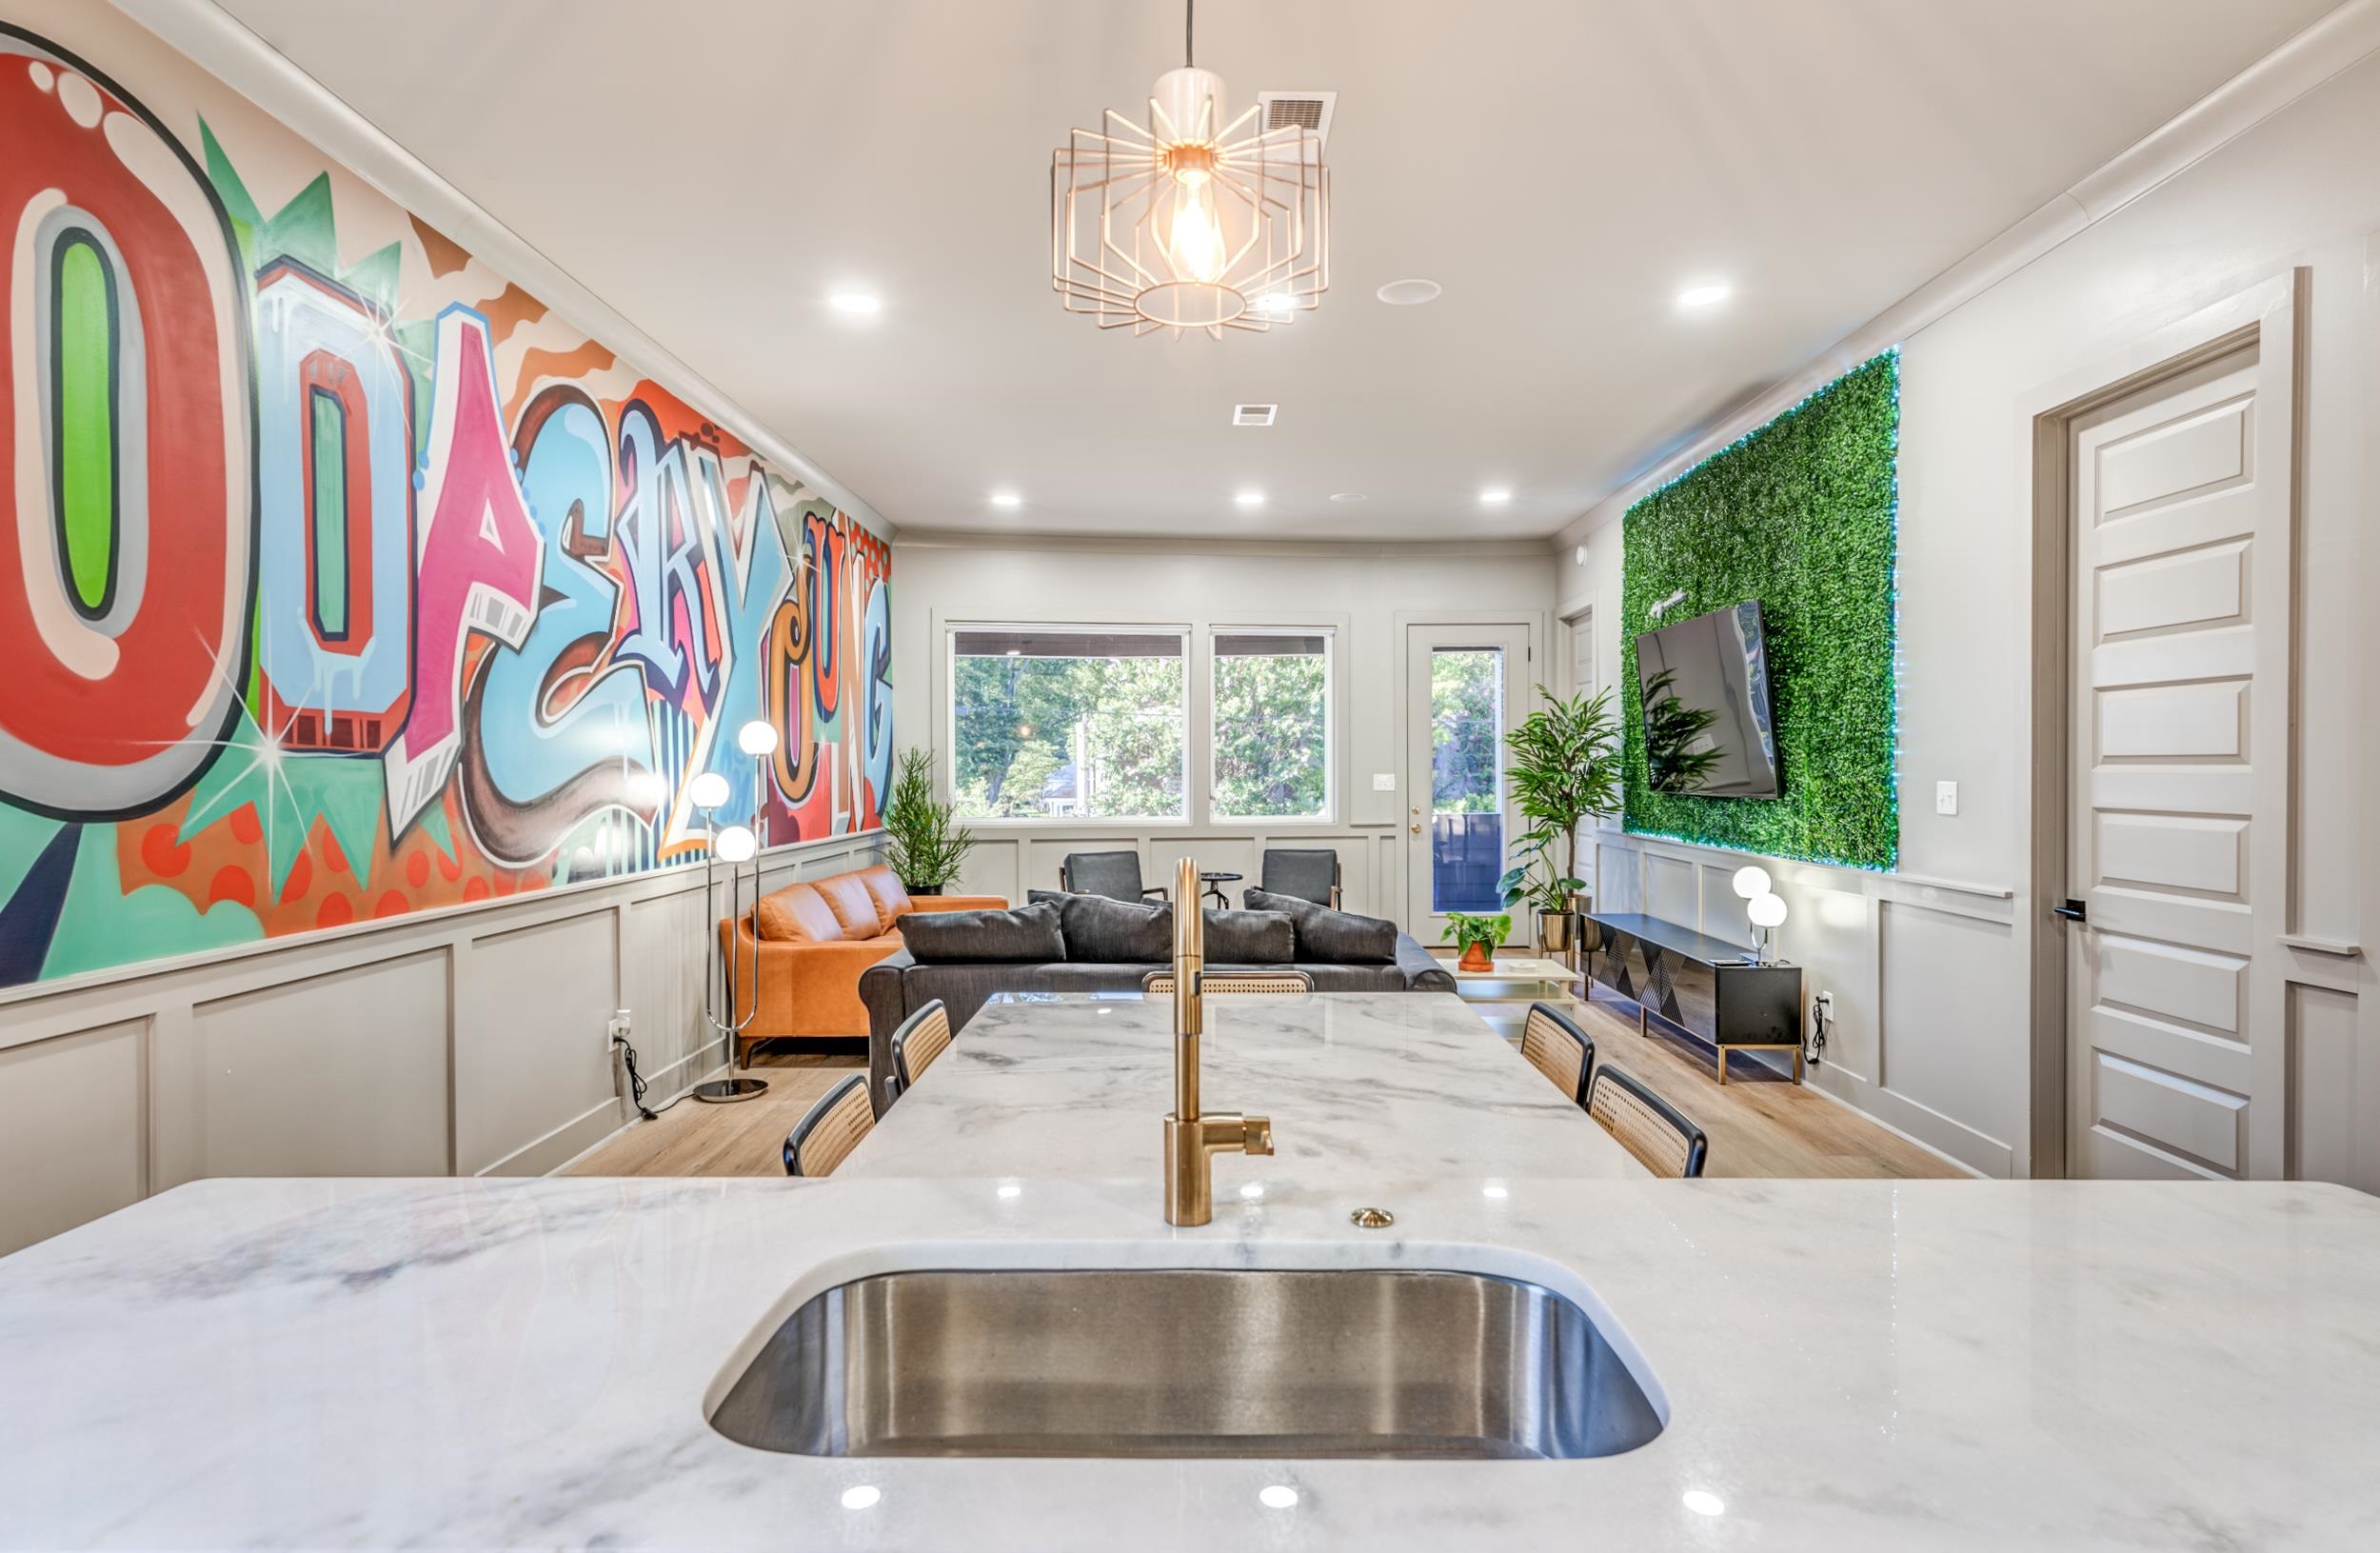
923,846
1479,936
1564,771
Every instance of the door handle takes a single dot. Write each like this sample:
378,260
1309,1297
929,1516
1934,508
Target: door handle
2072,912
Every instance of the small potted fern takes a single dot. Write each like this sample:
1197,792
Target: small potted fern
923,844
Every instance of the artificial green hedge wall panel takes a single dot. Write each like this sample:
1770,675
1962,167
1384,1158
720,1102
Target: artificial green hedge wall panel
1799,516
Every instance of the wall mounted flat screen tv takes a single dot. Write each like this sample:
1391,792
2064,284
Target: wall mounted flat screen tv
1709,728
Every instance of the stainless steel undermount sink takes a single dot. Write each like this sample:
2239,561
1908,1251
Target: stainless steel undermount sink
1184,1362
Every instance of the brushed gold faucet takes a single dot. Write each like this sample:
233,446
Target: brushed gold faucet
1193,1139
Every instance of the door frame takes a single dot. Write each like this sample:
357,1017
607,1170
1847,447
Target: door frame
2270,315
1537,624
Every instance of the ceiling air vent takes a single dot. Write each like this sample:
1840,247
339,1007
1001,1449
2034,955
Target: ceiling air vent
1254,414
1311,110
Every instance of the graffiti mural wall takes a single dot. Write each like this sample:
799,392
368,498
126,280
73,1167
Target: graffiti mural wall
347,582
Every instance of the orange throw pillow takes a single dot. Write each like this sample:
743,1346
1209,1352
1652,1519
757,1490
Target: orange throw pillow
849,900
795,915
891,900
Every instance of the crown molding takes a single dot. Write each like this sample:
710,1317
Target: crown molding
223,45
1351,549
2326,49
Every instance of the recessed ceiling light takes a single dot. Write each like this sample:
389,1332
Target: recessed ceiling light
1006,499
1349,496
1250,498
856,302
1703,1501
1408,294
1255,415
1495,496
1278,1496
862,1496
1705,294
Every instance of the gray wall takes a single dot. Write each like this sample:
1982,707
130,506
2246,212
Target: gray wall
1930,967
456,1042
1364,593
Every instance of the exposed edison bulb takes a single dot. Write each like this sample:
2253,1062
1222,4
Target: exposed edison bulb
1195,242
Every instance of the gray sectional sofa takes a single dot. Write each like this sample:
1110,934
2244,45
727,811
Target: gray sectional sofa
1087,944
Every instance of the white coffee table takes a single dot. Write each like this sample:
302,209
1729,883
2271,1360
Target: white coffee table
1504,992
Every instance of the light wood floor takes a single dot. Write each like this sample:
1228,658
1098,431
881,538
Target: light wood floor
744,1139
1762,1124
1759,1124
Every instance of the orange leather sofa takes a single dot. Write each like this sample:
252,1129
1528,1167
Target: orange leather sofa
814,938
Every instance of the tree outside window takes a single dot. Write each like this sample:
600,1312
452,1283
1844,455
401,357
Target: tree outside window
1272,725
1057,723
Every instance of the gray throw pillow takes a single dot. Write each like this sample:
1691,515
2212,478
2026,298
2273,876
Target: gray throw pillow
1027,933
1249,938
1109,932
1331,938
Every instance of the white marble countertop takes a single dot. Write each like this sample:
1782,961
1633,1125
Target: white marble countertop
1848,1365
1359,1086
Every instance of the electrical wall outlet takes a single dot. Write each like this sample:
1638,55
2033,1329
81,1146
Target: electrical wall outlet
1946,798
1384,781
620,1028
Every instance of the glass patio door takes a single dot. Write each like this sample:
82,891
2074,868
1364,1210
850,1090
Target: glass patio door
1462,684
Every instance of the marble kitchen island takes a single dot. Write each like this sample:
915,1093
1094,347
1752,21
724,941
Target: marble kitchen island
1359,1087
1849,1365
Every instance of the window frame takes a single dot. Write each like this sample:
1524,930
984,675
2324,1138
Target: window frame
1211,637
947,766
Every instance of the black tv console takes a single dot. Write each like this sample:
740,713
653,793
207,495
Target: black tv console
1705,987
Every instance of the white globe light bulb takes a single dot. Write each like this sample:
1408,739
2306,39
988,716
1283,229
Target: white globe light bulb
708,790
1752,881
757,738
1768,910
736,843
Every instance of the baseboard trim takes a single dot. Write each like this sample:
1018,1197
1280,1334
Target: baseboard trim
560,1146
1954,1143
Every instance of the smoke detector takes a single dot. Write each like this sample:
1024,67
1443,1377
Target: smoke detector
1254,414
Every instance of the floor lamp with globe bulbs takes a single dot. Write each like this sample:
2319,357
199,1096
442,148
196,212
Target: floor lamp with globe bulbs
736,846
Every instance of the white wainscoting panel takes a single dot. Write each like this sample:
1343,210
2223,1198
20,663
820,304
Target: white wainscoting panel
2329,1088
341,1074
470,1040
72,1146
531,1056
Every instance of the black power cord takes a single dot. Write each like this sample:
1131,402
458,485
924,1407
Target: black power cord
1821,1015
636,1081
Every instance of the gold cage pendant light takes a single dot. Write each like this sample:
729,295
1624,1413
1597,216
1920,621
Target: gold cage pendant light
1190,222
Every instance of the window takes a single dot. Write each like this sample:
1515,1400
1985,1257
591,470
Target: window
1069,722
1272,725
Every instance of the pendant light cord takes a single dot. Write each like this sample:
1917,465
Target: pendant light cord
1189,19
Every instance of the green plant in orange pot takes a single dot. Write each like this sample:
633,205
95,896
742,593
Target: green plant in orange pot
1479,936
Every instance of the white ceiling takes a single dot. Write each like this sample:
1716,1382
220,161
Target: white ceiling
715,169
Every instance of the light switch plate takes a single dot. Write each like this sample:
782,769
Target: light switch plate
1946,798
1384,781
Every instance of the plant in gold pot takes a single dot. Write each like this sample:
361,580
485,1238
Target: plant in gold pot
1564,771
1478,935
922,845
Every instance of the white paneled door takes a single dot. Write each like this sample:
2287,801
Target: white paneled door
2180,732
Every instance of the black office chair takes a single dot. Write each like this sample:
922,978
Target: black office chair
1557,1047
1310,873
1116,875
1648,1127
